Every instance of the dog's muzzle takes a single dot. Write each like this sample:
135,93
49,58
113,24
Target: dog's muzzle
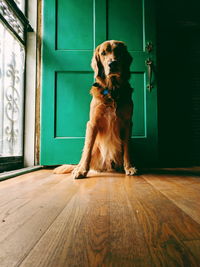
113,66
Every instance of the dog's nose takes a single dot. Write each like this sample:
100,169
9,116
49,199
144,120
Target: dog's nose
113,64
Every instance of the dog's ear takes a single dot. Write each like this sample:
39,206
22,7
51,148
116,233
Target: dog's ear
127,63
127,60
127,57
96,64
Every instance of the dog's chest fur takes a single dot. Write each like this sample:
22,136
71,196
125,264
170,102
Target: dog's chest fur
108,141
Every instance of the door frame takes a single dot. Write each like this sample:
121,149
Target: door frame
33,85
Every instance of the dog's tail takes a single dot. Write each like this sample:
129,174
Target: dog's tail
66,168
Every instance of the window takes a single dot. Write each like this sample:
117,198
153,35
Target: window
21,4
13,28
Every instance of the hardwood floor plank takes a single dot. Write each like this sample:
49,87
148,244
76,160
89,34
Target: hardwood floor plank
22,229
90,244
194,247
134,231
164,225
22,178
95,241
184,178
10,191
21,195
106,220
128,246
183,191
72,240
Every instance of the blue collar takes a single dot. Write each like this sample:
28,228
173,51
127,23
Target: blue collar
105,91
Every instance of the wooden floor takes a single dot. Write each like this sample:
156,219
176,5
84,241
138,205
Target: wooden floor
105,220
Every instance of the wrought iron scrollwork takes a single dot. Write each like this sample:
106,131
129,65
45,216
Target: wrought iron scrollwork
11,98
13,27
8,17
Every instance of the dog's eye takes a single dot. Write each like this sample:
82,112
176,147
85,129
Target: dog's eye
103,53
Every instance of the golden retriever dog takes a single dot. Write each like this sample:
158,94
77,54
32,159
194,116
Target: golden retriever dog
108,131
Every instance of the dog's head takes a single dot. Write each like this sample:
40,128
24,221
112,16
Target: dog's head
110,58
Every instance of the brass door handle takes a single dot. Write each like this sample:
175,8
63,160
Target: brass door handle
149,64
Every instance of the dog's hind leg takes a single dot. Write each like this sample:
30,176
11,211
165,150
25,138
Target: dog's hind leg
66,168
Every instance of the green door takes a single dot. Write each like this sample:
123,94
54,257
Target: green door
72,29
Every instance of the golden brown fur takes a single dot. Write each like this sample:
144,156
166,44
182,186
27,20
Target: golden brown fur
109,128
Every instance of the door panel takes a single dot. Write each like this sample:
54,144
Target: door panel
125,22
67,110
74,24
72,30
139,115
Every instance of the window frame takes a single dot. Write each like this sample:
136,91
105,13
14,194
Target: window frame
8,163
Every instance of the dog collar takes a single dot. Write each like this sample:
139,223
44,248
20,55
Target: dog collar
105,91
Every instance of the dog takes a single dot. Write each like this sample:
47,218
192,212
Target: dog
108,131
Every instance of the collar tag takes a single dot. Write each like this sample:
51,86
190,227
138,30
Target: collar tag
105,92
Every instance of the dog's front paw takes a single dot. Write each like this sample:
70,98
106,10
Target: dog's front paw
130,171
79,173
